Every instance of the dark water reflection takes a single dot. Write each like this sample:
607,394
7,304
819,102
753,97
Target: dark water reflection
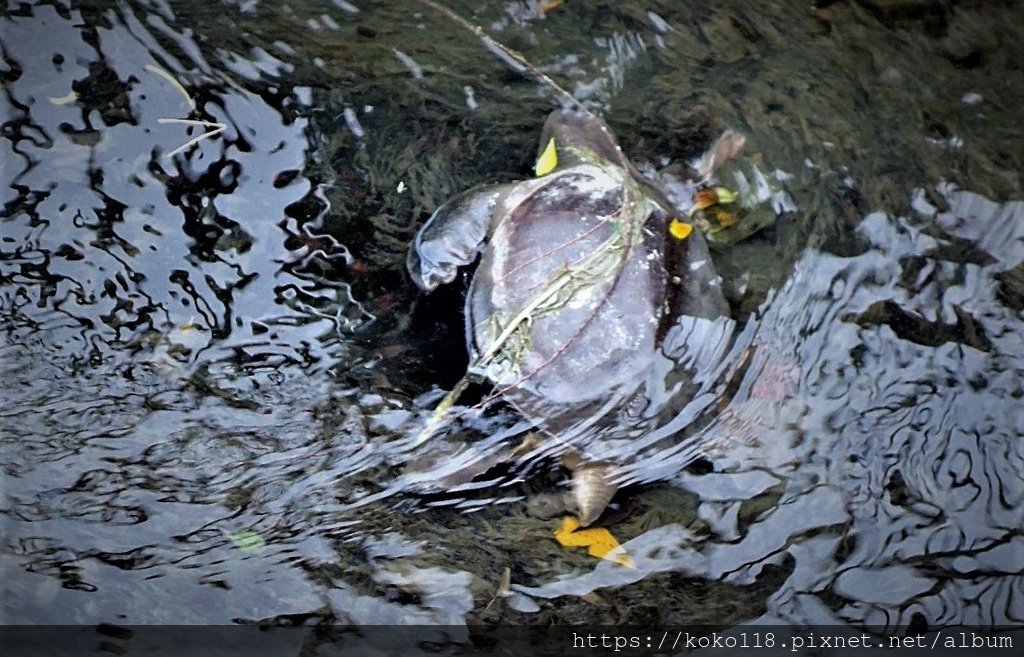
211,370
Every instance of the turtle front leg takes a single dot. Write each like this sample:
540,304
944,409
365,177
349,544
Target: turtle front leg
453,236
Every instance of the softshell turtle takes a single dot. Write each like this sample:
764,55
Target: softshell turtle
583,273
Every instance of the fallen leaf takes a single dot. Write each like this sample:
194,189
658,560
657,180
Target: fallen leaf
599,541
704,197
679,230
248,541
725,195
548,160
726,219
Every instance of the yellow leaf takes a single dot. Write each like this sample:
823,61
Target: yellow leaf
679,229
548,160
599,541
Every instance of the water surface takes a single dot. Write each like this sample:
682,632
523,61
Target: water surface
214,364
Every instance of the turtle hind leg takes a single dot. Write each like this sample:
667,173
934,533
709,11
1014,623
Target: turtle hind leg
591,490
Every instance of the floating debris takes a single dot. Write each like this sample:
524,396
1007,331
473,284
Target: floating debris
352,121
177,85
470,97
64,100
658,23
346,6
217,128
409,63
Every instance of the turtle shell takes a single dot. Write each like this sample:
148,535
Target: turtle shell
578,309
580,280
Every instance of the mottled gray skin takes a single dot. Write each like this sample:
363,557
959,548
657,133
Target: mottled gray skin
578,283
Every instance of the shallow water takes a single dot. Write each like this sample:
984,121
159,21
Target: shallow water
214,364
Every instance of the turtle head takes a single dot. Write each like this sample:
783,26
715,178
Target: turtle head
579,137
